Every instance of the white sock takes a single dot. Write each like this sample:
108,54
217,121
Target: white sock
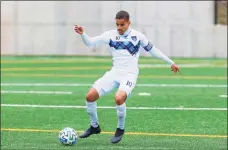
121,114
91,108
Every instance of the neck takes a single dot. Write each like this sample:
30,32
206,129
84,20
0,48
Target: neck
126,32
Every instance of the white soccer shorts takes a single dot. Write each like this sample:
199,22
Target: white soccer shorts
112,80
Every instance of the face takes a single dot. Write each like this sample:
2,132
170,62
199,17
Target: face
122,25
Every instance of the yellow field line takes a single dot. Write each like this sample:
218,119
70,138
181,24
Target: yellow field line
55,68
28,130
127,133
101,60
98,75
83,68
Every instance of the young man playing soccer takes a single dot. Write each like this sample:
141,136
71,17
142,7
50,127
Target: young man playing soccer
124,46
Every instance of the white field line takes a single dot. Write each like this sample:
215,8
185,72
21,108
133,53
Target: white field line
144,94
140,85
34,92
100,148
181,65
97,147
110,107
223,96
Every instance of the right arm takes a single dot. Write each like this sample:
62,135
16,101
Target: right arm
97,40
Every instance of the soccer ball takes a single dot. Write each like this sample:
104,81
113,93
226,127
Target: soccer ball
68,136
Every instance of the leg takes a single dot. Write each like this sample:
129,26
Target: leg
120,98
124,91
100,87
121,108
91,108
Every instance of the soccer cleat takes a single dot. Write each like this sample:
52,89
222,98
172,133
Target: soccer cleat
118,136
90,131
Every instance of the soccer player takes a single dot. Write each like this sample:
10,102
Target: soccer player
124,43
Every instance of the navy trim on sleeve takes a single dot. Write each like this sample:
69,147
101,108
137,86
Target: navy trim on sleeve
148,47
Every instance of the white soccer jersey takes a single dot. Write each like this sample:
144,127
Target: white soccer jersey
125,48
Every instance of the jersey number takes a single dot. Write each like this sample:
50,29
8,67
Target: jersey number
129,83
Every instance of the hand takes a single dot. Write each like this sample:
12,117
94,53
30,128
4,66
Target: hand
175,69
78,29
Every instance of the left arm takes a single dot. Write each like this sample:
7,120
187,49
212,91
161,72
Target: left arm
158,53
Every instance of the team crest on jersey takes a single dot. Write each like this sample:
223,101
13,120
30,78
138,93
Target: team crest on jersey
134,38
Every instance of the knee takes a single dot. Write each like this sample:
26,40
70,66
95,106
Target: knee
119,99
90,98
92,95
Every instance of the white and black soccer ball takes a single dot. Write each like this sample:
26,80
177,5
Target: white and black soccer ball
68,136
